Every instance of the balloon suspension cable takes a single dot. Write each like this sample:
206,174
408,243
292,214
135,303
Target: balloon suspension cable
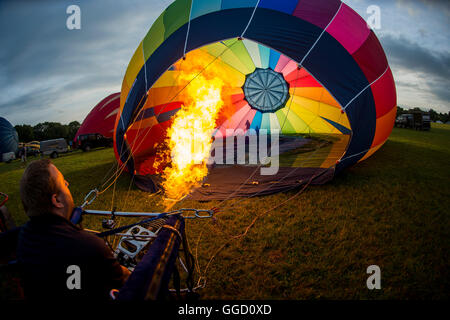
195,213
184,212
249,21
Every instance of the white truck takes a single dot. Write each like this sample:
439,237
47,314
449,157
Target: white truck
53,147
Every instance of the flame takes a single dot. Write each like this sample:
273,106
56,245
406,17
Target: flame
188,142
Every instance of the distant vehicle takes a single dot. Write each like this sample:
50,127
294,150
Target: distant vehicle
33,148
8,157
33,144
404,120
89,141
32,151
53,147
28,149
415,120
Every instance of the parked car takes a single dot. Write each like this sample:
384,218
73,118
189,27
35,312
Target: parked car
425,122
53,147
415,120
89,141
404,121
8,157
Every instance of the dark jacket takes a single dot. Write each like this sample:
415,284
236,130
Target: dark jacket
49,244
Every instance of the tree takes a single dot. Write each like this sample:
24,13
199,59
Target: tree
72,129
50,130
25,132
434,116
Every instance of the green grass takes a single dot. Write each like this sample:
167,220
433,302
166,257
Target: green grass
391,210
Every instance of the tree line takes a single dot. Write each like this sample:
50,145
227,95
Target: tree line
54,130
434,115
47,131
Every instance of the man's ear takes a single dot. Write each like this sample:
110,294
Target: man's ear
56,201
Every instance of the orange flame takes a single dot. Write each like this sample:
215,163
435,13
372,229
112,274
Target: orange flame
189,139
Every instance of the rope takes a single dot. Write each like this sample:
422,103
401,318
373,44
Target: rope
290,103
365,89
281,179
254,220
320,36
278,180
247,229
188,28
251,225
282,203
234,204
123,141
122,167
145,69
250,21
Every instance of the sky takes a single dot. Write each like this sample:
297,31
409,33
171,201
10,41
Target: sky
51,73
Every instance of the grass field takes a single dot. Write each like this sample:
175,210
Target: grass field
391,210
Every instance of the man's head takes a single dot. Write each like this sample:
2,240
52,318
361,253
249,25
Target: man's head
44,190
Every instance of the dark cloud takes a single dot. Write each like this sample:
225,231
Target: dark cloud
403,52
441,90
414,7
443,5
432,67
46,68
43,64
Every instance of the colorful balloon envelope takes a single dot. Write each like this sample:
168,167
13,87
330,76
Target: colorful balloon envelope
9,140
311,70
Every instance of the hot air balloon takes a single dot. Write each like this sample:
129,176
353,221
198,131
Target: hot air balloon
102,117
311,70
98,127
9,139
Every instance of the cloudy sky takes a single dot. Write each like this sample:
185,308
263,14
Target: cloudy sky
50,73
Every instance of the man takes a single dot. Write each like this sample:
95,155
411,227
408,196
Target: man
59,260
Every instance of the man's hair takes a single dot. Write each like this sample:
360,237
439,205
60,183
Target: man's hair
37,187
